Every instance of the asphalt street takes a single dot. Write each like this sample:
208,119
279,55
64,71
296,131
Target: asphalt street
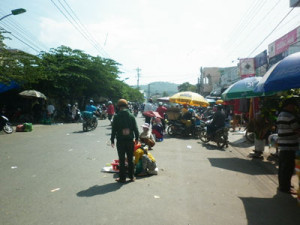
52,175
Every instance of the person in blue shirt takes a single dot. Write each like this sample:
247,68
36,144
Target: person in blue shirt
91,107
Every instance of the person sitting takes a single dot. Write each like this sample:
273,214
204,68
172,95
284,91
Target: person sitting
146,137
157,129
218,121
147,160
184,110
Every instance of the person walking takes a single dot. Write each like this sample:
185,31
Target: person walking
50,110
110,111
148,107
161,109
288,130
124,129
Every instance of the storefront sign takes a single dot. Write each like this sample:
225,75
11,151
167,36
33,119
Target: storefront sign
282,44
247,68
261,59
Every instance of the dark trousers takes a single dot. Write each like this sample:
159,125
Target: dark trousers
286,169
125,148
147,119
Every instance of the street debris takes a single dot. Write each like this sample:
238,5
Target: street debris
189,146
14,167
56,189
156,196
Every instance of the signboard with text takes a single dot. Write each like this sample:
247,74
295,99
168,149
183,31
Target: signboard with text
247,68
282,44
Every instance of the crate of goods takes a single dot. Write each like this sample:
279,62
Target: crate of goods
173,113
27,127
115,165
20,128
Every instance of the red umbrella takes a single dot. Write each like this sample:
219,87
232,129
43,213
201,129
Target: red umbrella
152,114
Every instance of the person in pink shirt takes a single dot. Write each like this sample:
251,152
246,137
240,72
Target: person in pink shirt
162,110
110,111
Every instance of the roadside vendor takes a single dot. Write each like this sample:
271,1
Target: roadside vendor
146,136
147,160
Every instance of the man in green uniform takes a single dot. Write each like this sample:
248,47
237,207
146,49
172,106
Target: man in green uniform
124,128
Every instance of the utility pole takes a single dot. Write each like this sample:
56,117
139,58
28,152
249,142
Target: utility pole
138,77
148,91
201,81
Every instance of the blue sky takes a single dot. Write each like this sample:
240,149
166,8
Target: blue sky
168,40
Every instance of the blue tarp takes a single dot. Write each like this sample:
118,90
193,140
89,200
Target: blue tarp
12,85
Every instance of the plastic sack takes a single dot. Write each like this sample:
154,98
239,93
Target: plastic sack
139,167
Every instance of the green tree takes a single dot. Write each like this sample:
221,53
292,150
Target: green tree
187,87
18,66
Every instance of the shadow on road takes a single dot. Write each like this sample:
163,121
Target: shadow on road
99,190
242,165
209,146
78,132
281,209
241,143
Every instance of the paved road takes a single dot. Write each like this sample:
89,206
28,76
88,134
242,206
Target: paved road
52,176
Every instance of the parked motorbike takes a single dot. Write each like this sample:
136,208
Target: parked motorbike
178,128
5,125
89,121
220,136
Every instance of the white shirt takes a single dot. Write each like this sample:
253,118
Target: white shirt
50,109
148,107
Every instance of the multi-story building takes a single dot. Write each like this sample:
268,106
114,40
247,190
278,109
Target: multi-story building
216,79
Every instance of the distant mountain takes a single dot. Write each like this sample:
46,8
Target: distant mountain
158,88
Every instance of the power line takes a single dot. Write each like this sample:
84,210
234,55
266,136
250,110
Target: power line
85,29
271,31
21,41
236,30
28,40
82,33
237,43
13,26
80,27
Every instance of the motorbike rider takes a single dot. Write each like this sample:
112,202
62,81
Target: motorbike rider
218,121
90,107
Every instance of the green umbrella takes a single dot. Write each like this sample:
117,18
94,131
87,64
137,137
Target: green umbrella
243,89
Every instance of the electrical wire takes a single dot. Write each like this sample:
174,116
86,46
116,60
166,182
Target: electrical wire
271,31
82,33
237,44
11,25
84,28
21,40
80,27
236,30
20,35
